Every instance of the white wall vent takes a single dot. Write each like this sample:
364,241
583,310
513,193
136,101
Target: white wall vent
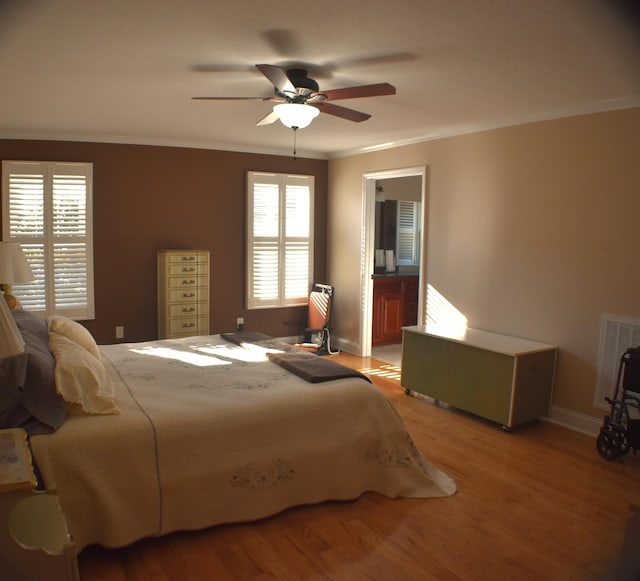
617,334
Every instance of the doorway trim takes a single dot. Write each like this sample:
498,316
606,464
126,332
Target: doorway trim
367,250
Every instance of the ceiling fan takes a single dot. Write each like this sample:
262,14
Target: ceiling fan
300,100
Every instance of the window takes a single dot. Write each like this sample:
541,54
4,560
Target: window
47,208
408,232
279,239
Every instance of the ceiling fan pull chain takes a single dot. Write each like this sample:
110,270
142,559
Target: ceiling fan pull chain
295,130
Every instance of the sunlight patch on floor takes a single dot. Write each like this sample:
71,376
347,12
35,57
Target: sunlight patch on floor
386,371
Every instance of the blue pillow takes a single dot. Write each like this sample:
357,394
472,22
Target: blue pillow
47,410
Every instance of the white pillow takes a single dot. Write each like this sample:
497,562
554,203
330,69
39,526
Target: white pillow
74,331
81,379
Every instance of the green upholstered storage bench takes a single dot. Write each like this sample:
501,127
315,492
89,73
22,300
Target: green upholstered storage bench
504,379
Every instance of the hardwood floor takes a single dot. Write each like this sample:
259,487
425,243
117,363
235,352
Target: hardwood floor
535,503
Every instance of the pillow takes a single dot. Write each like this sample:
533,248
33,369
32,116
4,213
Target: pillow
81,379
38,390
74,331
33,329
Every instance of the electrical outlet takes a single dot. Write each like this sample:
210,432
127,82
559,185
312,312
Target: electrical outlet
119,332
239,323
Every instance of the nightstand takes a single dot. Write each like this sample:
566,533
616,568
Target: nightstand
34,540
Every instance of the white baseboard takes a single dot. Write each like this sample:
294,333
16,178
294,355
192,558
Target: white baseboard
558,415
574,420
344,345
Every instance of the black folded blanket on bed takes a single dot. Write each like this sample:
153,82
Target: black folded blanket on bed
310,367
313,368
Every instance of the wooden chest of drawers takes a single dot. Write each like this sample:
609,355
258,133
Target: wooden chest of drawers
183,293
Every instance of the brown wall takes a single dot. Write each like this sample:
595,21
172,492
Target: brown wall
147,198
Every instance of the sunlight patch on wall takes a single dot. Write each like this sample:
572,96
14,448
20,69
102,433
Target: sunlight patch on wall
442,316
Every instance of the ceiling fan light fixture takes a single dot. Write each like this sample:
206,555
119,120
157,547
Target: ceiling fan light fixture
296,115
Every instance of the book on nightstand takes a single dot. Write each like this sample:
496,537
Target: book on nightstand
16,472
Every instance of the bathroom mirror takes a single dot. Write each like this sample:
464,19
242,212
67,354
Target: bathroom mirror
397,220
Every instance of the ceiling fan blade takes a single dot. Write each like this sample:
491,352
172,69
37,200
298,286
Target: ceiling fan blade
268,119
232,98
218,68
342,112
377,90
278,78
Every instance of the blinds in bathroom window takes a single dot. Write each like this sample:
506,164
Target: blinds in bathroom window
407,232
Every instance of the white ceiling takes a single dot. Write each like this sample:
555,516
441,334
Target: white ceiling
124,70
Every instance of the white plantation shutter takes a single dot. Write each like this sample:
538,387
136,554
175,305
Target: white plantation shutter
407,232
297,244
279,239
264,252
47,207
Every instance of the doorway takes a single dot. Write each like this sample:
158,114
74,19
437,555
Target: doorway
367,259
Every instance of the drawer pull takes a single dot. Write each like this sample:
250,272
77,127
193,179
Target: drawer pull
188,309
188,325
188,281
188,295
188,269
189,258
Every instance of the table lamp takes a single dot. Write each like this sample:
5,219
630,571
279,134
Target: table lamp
14,269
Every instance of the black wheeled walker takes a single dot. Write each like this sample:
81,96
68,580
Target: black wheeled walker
621,429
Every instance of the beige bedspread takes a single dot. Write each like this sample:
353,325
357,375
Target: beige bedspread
214,433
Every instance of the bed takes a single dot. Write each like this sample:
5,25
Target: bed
188,433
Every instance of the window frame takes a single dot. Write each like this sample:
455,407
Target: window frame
286,245
44,268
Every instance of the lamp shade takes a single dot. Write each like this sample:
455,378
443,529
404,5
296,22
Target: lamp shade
296,115
11,341
14,267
